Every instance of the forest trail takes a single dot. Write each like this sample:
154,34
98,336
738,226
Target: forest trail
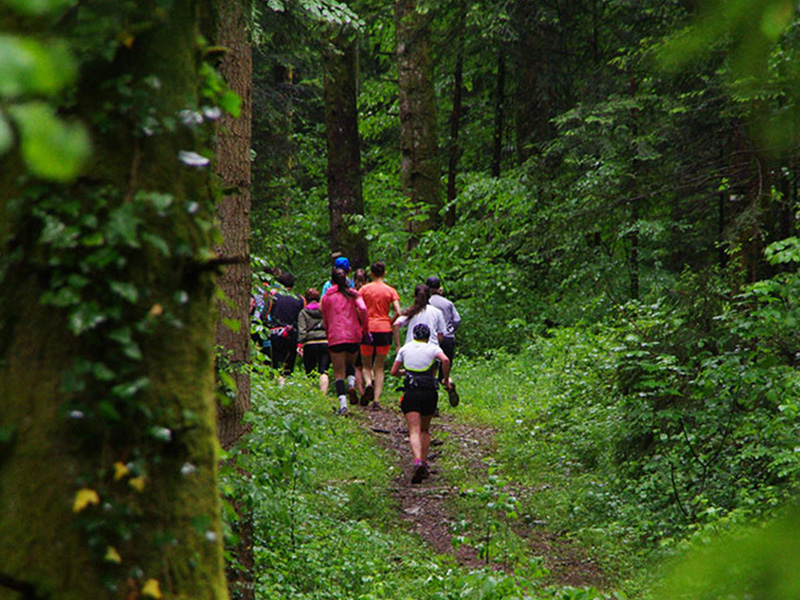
426,509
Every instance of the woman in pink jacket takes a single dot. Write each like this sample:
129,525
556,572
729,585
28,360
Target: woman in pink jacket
344,316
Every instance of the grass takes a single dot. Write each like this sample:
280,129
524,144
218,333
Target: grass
327,525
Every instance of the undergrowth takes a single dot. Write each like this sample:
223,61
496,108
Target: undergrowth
328,527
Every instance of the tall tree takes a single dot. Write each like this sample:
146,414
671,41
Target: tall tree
419,146
345,196
107,417
233,146
233,142
454,149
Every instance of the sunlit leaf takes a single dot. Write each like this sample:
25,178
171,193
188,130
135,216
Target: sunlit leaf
231,102
234,325
151,588
112,555
30,67
121,470
137,483
85,497
52,148
38,7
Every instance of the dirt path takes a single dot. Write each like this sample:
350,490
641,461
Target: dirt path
426,509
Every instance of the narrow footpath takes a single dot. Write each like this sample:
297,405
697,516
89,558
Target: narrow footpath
425,507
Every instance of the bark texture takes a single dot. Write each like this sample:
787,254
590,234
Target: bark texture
419,146
233,144
345,197
50,549
234,137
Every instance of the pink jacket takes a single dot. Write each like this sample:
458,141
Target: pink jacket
344,317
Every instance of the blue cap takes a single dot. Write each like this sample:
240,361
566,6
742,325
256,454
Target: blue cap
342,263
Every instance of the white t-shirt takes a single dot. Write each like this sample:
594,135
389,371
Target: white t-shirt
418,356
431,316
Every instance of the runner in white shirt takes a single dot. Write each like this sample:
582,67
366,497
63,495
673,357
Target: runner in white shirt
420,394
422,312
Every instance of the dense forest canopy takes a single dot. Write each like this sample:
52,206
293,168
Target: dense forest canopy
607,189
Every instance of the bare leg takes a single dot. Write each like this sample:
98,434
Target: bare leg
338,361
413,420
359,379
379,375
419,435
366,361
324,383
425,436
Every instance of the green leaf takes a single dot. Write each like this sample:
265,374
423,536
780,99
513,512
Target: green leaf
231,102
107,410
52,148
158,242
126,290
87,316
123,225
102,372
234,325
29,67
37,7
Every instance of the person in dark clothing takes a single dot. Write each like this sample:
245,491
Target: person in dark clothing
284,308
312,341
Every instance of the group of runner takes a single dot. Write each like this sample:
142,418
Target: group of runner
350,326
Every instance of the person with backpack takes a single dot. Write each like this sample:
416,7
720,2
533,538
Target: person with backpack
284,308
312,341
344,316
451,320
416,361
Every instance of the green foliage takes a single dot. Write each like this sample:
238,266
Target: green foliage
52,147
753,562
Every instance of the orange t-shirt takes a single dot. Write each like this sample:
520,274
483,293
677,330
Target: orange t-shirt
378,297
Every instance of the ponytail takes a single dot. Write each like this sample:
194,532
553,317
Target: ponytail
422,294
339,279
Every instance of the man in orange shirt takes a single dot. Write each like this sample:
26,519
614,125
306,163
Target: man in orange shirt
380,299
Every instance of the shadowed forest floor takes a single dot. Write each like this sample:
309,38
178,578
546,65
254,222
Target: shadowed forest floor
426,509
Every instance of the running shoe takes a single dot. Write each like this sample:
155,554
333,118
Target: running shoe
353,395
342,412
420,473
452,395
376,406
369,394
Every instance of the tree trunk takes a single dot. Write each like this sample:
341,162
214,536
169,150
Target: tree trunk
420,169
233,169
499,112
455,119
345,197
108,462
233,144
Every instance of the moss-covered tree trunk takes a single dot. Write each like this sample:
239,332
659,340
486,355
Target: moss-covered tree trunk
419,145
108,461
345,197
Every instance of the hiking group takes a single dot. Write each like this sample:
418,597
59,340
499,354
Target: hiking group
350,326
